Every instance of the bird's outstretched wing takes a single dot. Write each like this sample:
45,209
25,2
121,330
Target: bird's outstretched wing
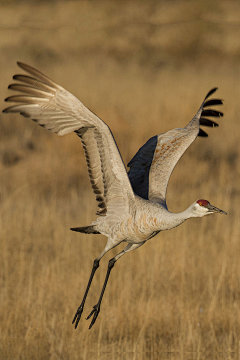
151,167
56,109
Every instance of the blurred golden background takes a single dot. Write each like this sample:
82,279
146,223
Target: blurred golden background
144,67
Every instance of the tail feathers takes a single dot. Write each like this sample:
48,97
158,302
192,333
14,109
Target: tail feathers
86,229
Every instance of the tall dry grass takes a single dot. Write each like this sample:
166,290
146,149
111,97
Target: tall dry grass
178,296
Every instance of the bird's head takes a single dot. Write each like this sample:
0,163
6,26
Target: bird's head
203,207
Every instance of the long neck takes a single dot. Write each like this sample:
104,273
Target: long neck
171,220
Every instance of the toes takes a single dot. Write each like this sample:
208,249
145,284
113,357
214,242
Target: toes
87,318
93,320
94,313
92,323
77,316
78,319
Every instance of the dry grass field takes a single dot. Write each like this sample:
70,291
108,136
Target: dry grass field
144,68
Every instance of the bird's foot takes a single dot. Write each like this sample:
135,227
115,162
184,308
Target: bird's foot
78,315
94,312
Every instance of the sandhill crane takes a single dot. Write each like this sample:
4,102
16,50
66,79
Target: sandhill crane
132,206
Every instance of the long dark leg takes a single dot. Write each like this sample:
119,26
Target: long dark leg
78,314
96,308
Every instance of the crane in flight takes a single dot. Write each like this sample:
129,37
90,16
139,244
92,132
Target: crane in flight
132,205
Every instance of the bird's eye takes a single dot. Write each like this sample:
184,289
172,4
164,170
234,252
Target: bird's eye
203,203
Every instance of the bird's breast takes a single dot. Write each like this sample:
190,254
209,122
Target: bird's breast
137,228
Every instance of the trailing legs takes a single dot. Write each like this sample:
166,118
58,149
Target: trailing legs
96,308
78,314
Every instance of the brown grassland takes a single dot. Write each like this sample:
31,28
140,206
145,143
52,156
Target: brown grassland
144,68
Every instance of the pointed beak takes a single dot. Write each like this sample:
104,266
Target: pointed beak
212,208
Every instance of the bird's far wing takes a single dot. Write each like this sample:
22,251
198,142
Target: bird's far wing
151,167
56,109
140,166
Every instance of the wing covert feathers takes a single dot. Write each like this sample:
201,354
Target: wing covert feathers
56,109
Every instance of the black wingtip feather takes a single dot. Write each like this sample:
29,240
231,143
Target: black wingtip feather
202,133
212,102
208,122
210,112
211,92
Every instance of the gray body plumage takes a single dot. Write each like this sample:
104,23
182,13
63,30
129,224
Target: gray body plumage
131,206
